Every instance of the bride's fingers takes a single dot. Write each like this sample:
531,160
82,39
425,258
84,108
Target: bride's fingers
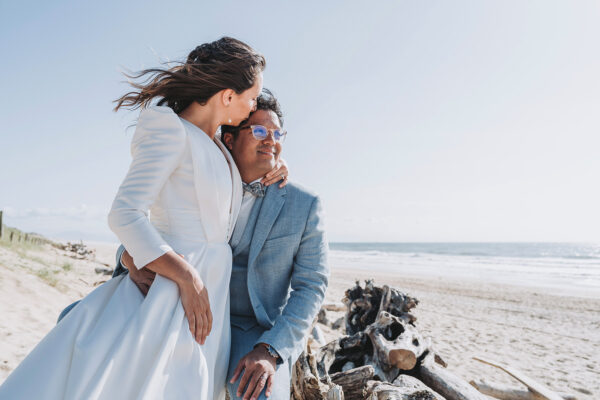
210,320
209,316
274,179
143,288
204,328
199,327
275,174
274,171
284,182
147,281
192,323
206,303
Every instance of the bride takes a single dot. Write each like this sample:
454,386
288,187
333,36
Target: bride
173,343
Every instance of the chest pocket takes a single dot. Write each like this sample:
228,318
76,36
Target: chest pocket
283,241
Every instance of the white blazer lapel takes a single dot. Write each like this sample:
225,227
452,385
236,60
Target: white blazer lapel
205,177
236,198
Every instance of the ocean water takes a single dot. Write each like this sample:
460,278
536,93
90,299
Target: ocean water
562,268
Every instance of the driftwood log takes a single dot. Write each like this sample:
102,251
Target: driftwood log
445,382
306,384
381,356
503,392
334,306
80,251
535,390
364,304
353,381
404,387
396,344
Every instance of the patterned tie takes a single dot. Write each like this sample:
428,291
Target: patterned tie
256,189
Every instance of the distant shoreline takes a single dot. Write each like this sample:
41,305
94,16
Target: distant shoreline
572,277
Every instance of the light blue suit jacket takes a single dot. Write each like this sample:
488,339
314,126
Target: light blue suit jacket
287,267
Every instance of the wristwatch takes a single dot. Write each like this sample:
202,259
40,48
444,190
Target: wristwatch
272,352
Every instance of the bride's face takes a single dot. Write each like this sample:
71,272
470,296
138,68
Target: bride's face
244,103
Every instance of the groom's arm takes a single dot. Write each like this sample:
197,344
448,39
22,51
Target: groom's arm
308,283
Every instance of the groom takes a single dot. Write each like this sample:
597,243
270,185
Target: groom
280,271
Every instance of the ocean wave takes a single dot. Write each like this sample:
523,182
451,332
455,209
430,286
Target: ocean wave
570,251
570,274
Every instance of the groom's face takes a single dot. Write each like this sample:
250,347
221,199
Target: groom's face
253,157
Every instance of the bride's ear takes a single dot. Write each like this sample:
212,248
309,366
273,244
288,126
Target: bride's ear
227,96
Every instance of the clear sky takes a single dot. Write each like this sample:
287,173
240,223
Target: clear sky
414,120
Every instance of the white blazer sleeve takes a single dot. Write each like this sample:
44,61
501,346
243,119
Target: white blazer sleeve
157,148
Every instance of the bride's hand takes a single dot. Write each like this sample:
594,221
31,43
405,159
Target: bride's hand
194,298
276,174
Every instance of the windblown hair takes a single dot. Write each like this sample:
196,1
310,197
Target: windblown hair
211,67
267,102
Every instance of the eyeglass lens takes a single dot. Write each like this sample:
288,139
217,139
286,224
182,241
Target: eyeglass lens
261,133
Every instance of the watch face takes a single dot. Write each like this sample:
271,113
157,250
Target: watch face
272,352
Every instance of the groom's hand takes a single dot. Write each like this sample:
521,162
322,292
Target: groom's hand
258,368
142,278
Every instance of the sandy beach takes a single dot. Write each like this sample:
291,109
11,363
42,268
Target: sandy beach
36,284
554,339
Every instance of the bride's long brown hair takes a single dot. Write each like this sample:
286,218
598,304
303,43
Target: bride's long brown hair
227,63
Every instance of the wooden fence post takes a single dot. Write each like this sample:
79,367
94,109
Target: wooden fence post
0,224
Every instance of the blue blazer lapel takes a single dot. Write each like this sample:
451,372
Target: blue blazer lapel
269,211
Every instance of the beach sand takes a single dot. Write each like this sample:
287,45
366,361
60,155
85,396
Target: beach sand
36,284
554,339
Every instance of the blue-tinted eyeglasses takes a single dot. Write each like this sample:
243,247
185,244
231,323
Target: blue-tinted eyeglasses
260,133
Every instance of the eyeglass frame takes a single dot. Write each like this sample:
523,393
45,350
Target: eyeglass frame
271,131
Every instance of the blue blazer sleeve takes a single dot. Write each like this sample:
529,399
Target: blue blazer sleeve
119,268
308,285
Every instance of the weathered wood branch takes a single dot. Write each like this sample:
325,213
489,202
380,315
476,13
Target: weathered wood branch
334,306
445,382
332,357
306,384
535,387
396,344
364,305
411,383
353,381
405,388
503,392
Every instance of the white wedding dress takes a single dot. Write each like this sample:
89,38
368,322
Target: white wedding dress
116,344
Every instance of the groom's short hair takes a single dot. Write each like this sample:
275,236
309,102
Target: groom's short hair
267,102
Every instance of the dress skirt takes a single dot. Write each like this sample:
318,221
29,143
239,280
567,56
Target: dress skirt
116,344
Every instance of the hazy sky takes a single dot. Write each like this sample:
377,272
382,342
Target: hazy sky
414,120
